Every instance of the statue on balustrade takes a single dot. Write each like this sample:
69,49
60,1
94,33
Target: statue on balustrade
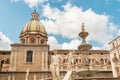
55,65
70,60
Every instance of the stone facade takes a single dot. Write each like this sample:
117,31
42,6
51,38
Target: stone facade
33,53
4,60
39,58
93,60
115,56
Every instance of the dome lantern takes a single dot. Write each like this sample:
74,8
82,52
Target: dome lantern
35,15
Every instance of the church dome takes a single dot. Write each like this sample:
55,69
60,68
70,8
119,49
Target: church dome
34,31
34,25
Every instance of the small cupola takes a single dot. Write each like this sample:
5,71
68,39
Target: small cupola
35,15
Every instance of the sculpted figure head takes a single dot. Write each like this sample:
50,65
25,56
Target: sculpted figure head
72,51
55,51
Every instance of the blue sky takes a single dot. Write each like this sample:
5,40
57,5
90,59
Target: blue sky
62,20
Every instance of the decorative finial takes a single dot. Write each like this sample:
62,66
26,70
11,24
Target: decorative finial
83,27
35,9
83,34
35,15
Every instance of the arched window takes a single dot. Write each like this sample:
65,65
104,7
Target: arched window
101,60
63,60
32,40
115,58
89,60
80,60
23,40
65,53
2,62
101,53
52,53
76,60
29,56
109,63
42,41
93,60
34,16
105,60
113,45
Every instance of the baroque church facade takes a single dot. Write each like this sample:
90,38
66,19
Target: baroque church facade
33,54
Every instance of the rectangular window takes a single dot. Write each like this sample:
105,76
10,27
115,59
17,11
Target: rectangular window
29,56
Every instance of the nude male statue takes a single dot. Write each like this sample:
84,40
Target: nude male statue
70,59
55,64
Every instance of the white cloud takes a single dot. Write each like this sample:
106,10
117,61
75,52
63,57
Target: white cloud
96,48
105,47
4,42
52,41
67,23
33,3
72,45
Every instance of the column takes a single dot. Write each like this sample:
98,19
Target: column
114,65
15,61
46,60
42,60
9,76
11,61
13,76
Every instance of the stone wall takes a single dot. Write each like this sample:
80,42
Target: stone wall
3,76
46,75
22,75
39,58
98,79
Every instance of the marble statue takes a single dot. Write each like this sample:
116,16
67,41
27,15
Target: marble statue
70,65
27,74
34,77
70,59
54,66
